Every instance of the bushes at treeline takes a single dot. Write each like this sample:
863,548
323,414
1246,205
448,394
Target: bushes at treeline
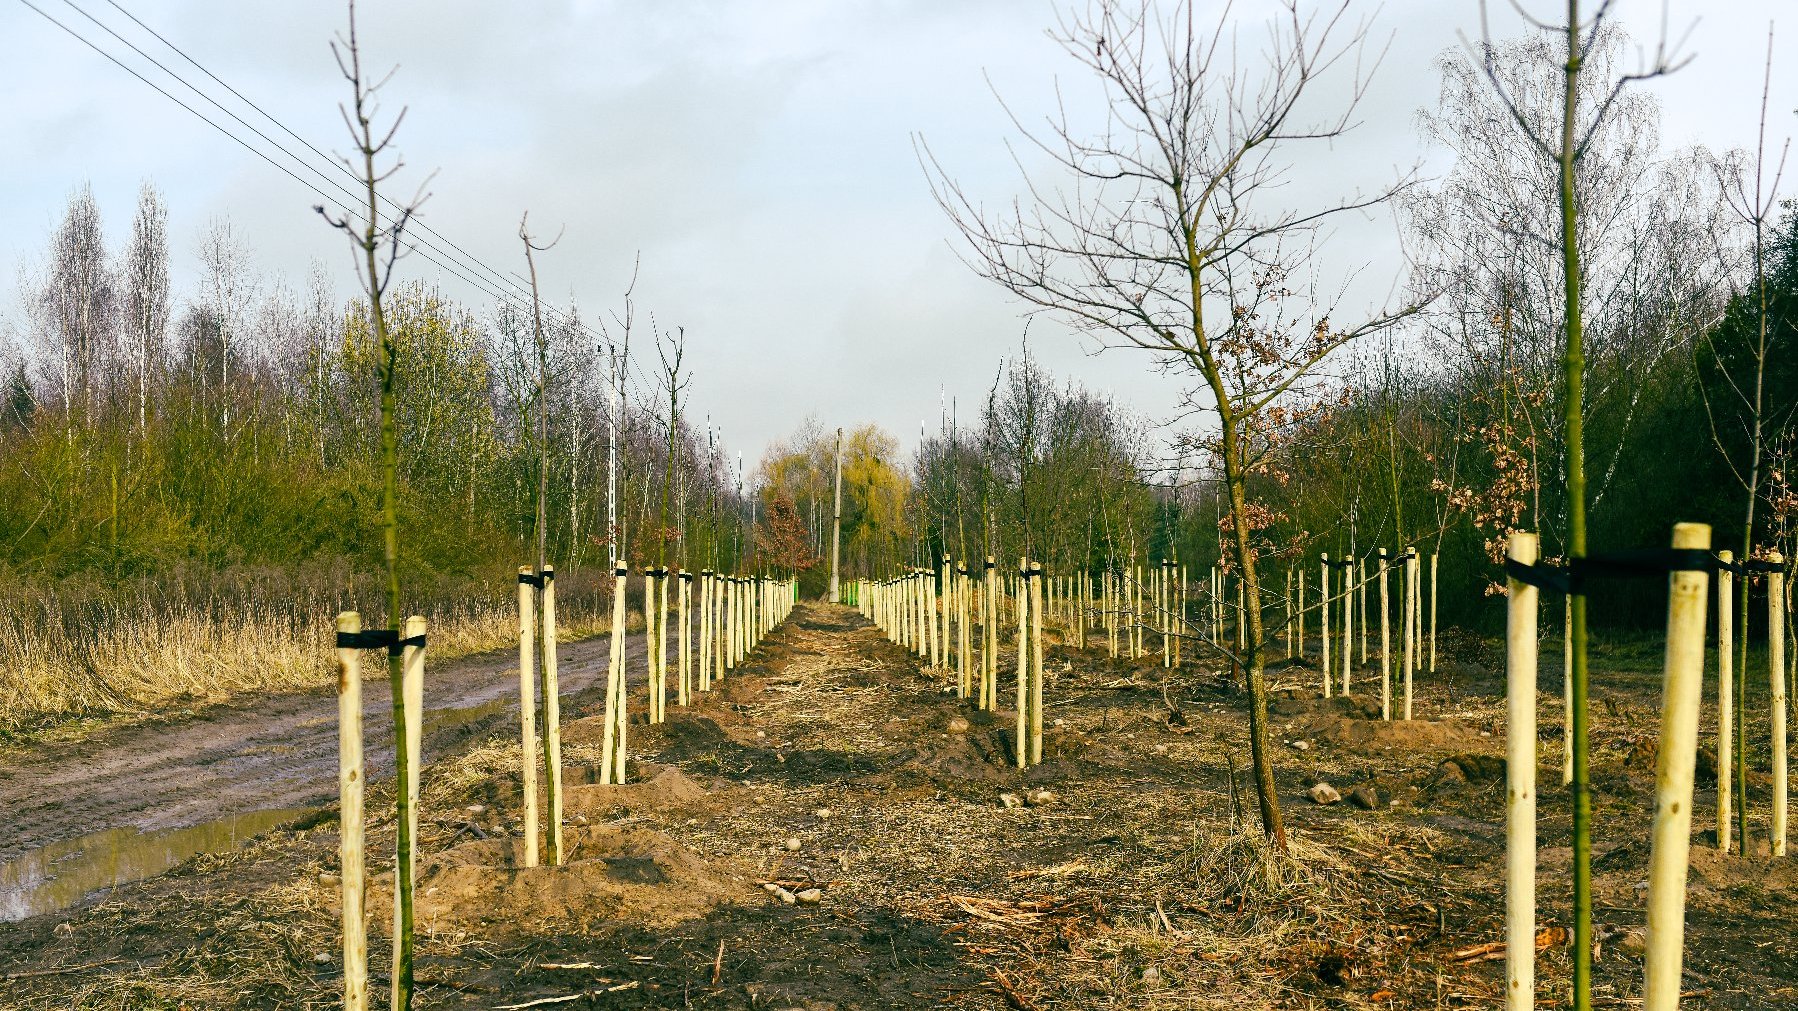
237,426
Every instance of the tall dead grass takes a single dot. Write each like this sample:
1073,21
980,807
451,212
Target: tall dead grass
80,649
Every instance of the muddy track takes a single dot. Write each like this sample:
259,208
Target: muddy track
273,752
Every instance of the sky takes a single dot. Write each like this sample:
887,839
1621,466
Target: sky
758,159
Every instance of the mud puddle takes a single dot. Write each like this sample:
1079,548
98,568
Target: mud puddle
62,874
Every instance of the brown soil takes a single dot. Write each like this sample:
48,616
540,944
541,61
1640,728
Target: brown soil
1139,880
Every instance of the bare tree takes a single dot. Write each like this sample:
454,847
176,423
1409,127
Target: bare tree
77,305
146,280
1741,371
226,291
1584,111
1163,234
378,246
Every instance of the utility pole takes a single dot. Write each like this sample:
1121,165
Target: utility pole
836,521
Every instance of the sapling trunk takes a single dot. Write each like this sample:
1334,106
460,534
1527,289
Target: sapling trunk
1434,557
1682,687
1520,775
350,831
527,712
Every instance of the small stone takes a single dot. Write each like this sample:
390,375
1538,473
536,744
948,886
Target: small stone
822,814
761,735
1061,723
321,957
1364,797
1301,745
1485,733
810,896
958,725
328,879
64,930
786,897
1324,793
1010,801
1161,749
1633,942
476,809
770,887
1041,798
793,844
1151,976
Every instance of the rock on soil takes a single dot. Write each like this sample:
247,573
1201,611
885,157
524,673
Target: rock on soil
1324,793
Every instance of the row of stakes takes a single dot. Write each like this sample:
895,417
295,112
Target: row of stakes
734,614
940,614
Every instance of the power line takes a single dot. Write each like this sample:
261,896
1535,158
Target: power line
456,267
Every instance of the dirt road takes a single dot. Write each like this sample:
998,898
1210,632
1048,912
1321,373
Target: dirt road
273,752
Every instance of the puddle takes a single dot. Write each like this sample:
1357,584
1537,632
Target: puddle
62,874
453,716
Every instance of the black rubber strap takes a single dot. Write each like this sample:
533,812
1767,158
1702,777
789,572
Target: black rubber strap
1759,565
686,577
529,579
376,638
1647,564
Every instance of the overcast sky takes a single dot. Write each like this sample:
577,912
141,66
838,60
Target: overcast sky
758,154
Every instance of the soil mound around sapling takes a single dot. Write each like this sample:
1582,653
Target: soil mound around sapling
1730,873
1369,736
612,876
657,787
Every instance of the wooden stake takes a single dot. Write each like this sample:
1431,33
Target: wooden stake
527,709
1348,623
1324,617
1520,775
552,717
1036,664
1725,698
1567,690
1385,643
1022,741
350,820
1410,623
611,767
682,625
1776,703
1682,687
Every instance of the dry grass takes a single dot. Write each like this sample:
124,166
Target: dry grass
71,653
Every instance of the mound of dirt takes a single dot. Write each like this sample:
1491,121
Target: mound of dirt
612,875
657,786
1369,736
